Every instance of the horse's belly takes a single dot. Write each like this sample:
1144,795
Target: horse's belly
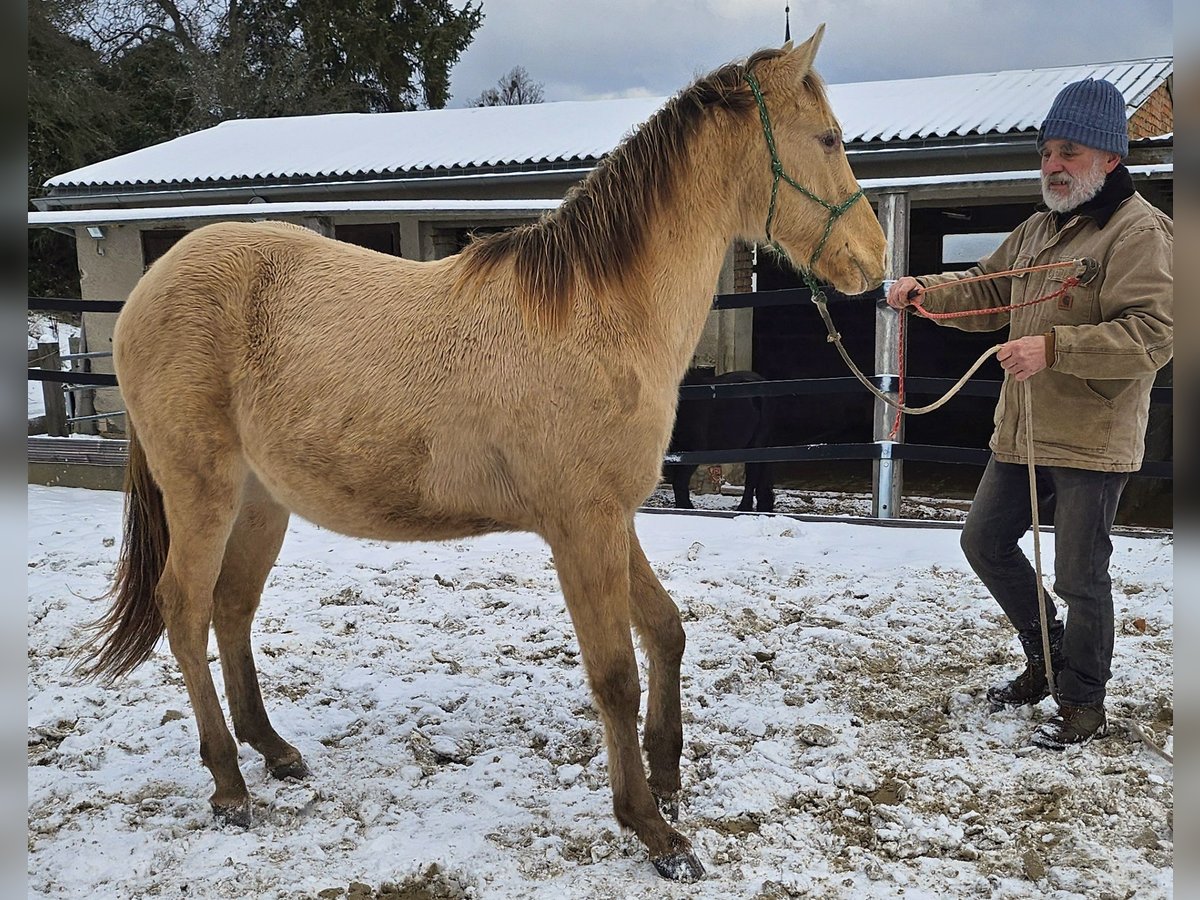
375,512
375,489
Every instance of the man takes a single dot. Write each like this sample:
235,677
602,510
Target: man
1090,357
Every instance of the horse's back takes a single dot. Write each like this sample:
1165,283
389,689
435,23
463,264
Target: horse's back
240,297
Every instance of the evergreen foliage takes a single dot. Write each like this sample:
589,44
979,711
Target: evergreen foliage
112,76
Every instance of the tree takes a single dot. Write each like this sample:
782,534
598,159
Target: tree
243,58
69,118
513,89
112,76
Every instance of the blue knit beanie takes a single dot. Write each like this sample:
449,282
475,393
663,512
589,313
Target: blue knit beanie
1089,112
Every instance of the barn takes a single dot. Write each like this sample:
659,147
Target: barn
948,162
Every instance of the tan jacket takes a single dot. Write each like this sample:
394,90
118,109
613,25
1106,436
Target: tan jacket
1109,337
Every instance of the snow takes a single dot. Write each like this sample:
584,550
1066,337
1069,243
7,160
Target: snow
837,743
378,142
344,144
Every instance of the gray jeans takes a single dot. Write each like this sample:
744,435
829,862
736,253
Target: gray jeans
1083,504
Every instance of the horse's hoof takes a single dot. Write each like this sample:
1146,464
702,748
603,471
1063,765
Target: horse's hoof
668,805
295,769
683,866
236,814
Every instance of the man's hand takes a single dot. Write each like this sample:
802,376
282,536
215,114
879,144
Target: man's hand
897,297
1023,357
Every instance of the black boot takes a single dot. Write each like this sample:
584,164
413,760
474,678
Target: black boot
1072,725
1030,686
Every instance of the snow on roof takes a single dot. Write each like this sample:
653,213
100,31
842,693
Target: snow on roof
356,144
480,208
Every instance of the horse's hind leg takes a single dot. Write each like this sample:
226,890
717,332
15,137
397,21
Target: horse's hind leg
592,557
249,554
201,499
681,477
764,490
751,477
657,621
758,487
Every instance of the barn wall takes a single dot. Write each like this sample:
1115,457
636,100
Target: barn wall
1154,117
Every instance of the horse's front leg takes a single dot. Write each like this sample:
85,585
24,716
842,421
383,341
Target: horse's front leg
657,621
591,552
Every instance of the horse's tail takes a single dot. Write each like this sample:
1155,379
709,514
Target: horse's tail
126,635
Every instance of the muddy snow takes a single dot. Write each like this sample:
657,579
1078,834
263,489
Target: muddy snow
837,741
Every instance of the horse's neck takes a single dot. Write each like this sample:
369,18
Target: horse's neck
688,241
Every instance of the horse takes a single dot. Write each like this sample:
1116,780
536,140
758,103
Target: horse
723,423
268,370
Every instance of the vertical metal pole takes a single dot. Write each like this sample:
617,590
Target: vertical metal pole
887,482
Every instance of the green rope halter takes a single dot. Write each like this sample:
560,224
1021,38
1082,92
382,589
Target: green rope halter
835,212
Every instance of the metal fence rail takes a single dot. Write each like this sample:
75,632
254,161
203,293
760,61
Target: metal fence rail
113,452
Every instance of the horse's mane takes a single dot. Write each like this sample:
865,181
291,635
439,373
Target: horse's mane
595,234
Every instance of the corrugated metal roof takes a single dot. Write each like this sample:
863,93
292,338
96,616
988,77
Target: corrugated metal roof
995,103
358,144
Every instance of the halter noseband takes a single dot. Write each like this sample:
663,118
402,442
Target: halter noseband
835,212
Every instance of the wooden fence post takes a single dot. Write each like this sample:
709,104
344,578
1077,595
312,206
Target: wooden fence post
52,393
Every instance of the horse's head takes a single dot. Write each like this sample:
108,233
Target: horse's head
810,202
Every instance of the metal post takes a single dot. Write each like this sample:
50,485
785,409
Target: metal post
887,486
84,406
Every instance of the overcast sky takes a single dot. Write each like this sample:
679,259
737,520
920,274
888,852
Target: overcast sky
594,49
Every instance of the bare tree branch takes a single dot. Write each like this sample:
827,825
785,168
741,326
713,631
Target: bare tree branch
181,31
513,88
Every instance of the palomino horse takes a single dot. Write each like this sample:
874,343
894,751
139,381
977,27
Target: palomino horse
268,370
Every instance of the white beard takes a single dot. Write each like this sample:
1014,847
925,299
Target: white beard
1080,189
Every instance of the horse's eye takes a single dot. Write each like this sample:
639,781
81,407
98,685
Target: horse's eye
829,140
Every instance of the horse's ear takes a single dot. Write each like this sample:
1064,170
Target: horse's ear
802,57
787,46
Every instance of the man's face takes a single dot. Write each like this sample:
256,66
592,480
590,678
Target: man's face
1072,173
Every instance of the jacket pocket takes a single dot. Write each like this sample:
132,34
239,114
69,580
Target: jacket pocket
1076,305
1069,413
1108,389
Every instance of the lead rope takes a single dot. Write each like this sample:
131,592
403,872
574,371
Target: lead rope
836,339
1027,403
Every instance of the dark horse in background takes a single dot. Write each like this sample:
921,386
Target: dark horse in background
723,423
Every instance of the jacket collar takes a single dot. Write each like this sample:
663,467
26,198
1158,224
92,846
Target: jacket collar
1117,188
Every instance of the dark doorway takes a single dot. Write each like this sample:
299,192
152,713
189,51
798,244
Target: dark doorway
384,237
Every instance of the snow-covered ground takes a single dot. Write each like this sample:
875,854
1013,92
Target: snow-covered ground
818,503
837,743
